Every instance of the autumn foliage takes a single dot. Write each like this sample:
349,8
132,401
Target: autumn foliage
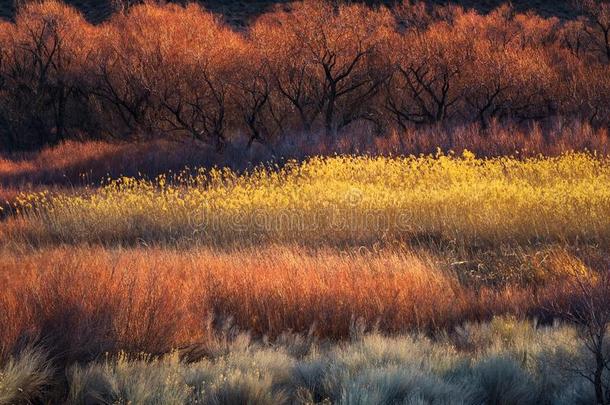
83,302
318,68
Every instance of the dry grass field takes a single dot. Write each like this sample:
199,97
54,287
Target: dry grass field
446,200
322,203
185,276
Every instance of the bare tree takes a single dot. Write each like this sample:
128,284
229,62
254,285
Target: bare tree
40,73
598,27
122,6
199,106
583,297
573,37
291,73
426,87
331,60
118,84
251,94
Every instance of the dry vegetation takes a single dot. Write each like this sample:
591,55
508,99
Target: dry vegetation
444,200
79,304
334,204
89,300
514,363
469,251
317,70
83,302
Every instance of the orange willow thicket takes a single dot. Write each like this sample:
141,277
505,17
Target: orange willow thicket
318,68
86,301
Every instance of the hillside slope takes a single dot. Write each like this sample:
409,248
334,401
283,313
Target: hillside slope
239,12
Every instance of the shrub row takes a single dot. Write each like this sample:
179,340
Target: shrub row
318,68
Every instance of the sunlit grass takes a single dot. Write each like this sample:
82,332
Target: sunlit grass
341,200
90,300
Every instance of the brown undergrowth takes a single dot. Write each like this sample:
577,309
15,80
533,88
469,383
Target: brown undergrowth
82,302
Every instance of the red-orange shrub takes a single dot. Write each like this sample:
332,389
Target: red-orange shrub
86,301
320,67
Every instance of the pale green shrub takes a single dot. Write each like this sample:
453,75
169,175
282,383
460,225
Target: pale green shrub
25,378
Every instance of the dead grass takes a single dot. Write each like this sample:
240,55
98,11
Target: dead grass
75,164
82,302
